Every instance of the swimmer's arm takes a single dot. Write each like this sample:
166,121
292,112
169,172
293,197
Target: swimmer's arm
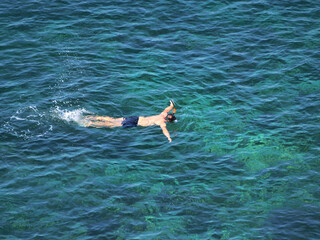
168,109
165,132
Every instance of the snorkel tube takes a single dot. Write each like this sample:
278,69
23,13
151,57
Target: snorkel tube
174,109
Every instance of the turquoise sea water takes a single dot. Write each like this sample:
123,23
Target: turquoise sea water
244,160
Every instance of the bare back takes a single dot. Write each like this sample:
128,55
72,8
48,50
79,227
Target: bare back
152,120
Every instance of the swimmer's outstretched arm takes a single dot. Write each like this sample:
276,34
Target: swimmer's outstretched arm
168,109
165,132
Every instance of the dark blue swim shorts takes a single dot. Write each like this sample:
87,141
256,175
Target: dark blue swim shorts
130,121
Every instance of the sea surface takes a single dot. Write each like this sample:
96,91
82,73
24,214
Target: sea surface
244,158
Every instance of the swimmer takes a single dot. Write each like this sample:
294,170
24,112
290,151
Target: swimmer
160,120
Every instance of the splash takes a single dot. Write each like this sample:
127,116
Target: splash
71,116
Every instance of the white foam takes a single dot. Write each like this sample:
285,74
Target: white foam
17,118
71,116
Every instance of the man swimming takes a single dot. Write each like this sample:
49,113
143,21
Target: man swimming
160,120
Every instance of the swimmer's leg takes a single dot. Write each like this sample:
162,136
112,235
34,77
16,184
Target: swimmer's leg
99,118
91,124
97,124
108,124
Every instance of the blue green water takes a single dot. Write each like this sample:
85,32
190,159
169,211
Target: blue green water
244,160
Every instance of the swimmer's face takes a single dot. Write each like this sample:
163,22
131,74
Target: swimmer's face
171,117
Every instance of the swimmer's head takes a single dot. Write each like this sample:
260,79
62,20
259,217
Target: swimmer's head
171,118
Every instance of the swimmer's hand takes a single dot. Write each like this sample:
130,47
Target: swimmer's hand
170,140
171,103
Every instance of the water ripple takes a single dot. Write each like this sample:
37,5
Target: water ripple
243,161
